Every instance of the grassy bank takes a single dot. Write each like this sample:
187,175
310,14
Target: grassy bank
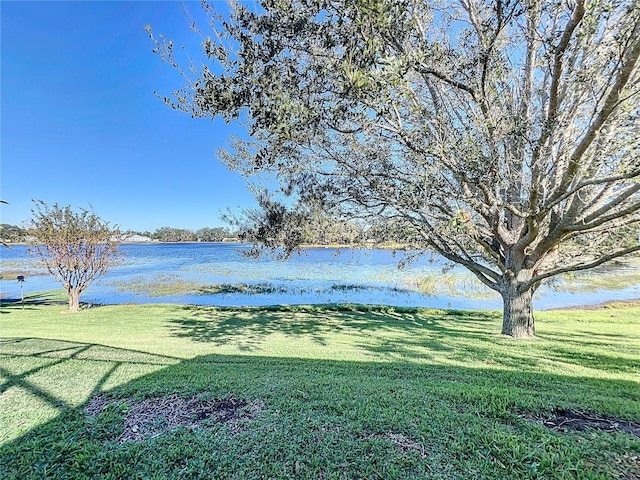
165,391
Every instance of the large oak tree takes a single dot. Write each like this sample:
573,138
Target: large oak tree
502,133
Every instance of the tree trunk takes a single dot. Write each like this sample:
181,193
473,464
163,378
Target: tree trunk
74,300
517,317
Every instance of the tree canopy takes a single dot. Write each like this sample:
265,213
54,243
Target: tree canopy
503,134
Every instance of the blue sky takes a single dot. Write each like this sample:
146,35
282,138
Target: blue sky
81,125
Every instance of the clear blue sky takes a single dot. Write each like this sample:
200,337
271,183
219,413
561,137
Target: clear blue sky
80,123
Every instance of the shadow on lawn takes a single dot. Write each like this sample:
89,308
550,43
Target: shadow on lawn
405,334
31,302
58,359
249,328
343,416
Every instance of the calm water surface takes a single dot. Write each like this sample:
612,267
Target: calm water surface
319,275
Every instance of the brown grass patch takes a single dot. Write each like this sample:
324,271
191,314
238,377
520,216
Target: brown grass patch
578,420
155,416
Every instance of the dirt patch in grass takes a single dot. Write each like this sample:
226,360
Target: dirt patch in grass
402,443
577,420
155,416
406,444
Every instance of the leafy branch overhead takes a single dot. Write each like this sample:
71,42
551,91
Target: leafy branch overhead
502,133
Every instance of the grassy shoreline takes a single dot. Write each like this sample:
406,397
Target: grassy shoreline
317,392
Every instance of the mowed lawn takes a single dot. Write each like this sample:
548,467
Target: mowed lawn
166,391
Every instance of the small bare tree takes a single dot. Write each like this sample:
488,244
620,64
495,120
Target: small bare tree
76,248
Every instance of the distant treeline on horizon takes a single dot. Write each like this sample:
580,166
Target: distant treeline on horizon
15,234
321,230
171,234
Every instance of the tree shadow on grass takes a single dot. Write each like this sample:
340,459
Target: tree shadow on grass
595,359
31,302
324,418
421,335
582,337
249,328
26,363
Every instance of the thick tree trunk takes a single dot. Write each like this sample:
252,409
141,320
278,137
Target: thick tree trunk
74,300
517,319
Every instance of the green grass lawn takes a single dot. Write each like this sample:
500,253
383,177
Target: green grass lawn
317,393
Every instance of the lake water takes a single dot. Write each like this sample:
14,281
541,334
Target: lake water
319,275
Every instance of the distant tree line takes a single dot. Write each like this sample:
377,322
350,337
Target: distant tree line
172,234
317,229
316,226
12,233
